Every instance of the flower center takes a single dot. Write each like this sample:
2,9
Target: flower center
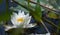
20,20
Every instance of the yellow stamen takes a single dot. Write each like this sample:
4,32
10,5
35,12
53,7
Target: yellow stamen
20,19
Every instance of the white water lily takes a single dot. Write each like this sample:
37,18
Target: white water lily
20,19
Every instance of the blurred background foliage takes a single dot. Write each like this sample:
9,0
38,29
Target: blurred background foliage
35,7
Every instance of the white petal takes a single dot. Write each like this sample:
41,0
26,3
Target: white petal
30,25
27,21
48,34
15,14
9,27
19,11
29,18
27,15
12,16
13,21
23,12
21,15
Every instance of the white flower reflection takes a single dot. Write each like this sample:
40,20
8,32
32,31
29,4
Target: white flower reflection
20,19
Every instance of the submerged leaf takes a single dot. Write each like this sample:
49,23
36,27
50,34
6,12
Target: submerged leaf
38,11
52,15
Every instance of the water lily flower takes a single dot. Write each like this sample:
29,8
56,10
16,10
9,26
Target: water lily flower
20,19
